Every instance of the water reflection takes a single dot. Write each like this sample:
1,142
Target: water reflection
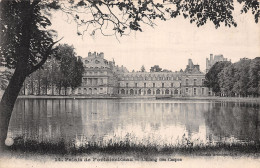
142,121
233,120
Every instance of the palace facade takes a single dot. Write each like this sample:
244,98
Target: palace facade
102,77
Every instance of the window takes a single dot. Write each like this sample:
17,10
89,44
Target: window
176,91
149,91
144,84
135,84
167,91
126,84
187,89
202,91
153,84
187,81
171,84
162,84
195,91
158,91
195,82
202,81
122,91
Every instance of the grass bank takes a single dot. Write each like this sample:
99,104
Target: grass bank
128,148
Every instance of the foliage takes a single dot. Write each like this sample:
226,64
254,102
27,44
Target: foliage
155,68
24,37
123,16
71,69
238,79
211,79
58,73
26,43
166,70
254,77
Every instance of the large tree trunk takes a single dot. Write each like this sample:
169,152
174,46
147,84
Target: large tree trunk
7,103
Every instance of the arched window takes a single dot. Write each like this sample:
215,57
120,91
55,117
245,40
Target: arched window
131,91
149,91
167,91
158,91
175,91
123,91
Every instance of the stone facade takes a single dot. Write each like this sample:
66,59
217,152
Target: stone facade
99,77
102,77
149,83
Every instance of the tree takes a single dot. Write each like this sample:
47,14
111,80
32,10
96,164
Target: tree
25,46
226,80
211,78
64,69
155,68
166,70
71,68
77,73
26,43
254,77
142,68
241,77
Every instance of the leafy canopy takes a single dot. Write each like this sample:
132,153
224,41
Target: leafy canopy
122,16
24,37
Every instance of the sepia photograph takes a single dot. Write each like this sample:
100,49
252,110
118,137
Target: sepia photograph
129,83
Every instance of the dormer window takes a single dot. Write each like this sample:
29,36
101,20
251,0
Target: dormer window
97,62
86,61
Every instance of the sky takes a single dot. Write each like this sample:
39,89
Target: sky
169,44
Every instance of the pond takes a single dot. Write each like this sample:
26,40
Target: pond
139,121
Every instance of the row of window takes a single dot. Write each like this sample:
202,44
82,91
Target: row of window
195,90
95,73
150,78
194,81
136,85
96,61
149,92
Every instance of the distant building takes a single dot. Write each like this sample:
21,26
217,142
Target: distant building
210,62
99,77
102,77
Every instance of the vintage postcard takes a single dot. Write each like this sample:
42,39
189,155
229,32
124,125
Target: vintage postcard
142,83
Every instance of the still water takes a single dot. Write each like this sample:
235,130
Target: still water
142,121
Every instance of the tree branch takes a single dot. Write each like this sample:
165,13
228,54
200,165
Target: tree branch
45,56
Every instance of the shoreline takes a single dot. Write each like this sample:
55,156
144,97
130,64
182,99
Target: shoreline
214,98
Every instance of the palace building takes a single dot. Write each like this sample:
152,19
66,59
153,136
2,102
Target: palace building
102,77
217,58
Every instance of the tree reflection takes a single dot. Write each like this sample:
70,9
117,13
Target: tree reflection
233,120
